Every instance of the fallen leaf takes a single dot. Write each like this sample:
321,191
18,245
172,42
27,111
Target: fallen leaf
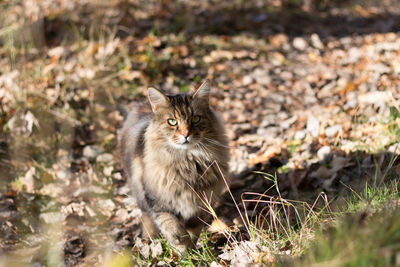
28,181
270,152
218,226
244,253
156,248
22,124
52,217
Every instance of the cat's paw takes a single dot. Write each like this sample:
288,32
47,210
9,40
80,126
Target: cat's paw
184,245
184,248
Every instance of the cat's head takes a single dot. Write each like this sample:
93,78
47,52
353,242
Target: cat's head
183,120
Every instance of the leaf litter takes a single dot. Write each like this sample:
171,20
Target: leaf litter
315,106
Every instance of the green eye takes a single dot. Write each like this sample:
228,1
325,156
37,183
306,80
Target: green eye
172,122
196,119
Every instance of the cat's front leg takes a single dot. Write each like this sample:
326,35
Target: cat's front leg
173,230
149,228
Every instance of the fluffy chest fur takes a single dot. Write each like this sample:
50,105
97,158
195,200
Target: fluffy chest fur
176,179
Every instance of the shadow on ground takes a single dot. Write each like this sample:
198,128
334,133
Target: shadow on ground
276,198
338,19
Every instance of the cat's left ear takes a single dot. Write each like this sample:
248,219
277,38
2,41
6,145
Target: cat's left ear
203,92
156,98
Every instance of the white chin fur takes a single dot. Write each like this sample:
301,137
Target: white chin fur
182,145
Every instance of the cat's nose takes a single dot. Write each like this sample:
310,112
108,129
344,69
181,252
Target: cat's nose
185,133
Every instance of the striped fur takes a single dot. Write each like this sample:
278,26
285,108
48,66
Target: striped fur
168,166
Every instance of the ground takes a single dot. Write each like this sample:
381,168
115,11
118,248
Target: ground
309,92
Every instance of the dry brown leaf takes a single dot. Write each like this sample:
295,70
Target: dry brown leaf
244,253
53,190
362,11
218,226
269,153
28,180
156,248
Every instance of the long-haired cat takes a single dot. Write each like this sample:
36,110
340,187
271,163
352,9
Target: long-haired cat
173,157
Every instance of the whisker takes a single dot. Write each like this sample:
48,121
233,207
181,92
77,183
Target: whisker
202,147
215,142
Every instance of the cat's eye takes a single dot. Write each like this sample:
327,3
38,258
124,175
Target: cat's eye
172,122
196,119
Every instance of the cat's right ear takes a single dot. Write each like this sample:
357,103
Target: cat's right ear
156,98
203,92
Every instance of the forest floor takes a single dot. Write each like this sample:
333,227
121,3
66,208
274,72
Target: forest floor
309,91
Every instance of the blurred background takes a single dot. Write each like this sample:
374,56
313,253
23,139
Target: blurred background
309,90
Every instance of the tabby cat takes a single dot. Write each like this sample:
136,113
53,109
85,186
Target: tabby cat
173,158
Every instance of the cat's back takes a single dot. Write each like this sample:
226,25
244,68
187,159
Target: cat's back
131,141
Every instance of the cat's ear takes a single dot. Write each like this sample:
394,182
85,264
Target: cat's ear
203,92
156,98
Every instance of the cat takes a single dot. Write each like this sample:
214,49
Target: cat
173,157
